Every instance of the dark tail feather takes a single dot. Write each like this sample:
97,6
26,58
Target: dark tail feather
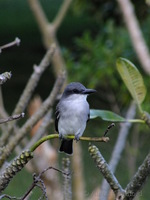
66,146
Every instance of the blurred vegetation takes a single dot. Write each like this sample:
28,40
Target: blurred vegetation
92,37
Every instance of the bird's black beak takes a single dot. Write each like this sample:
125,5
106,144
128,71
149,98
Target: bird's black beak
89,91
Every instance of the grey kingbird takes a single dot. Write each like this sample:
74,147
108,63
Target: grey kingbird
72,114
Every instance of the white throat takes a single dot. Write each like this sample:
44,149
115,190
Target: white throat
77,97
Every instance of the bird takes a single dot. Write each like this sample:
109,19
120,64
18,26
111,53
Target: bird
72,114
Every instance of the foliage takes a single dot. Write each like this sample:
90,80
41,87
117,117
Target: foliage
93,61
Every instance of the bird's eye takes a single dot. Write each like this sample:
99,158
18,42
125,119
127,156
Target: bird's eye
75,91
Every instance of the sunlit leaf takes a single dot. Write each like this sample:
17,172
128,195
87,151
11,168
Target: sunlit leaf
132,79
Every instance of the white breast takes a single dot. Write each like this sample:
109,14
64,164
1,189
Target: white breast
73,115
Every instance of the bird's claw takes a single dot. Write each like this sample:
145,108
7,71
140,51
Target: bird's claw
60,136
77,138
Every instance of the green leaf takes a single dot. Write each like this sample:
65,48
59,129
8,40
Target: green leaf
111,117
132,79
106,115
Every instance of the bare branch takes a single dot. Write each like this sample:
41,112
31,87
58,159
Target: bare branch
61,14
42,129
48,31
135,33
39,15
47,104
37,179
15,42
11,118
17,165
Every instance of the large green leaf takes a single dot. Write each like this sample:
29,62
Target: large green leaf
132,79
106,115
111,117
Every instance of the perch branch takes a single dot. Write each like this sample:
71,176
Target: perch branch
52,136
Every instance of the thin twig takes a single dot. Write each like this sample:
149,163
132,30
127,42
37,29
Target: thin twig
15,42
108,128
8,197
37,179
11,118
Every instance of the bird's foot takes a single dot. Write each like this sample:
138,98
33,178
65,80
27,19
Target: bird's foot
60,136
77,138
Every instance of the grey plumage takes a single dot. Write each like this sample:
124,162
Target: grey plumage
72,114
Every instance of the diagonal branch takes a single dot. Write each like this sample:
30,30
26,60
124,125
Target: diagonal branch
48,30
32,83
61,14
47,104
39,15
106,171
